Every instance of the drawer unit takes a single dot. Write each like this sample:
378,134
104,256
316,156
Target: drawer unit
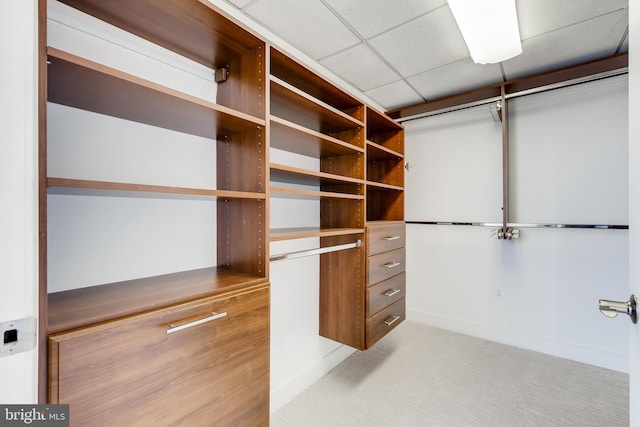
385,293
200,363
385,265
386,278
384,321
383,236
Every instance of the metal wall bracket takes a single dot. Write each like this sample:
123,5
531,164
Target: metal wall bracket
508,234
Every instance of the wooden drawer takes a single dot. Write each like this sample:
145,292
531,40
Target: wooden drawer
384,321
132,372
385,265
385,236
385,293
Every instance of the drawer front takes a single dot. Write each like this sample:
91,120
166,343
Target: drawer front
384,321
207,372
383,237
385,265
385,293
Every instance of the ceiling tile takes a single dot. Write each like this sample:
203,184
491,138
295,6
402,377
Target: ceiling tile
537,17
372,17
394,95
455,78
428,42
361,67
308,25
578,43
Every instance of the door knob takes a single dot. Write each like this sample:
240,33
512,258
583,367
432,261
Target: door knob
612,308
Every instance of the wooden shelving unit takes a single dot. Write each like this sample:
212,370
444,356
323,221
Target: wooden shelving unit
359,153
312,118
236,124
385,168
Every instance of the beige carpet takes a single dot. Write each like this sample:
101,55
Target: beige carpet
422,376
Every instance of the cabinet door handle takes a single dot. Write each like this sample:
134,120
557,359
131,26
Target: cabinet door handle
392,321
391,238
391,292
390,265
173,328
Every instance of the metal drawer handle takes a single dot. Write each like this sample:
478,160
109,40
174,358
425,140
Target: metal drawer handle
391,292
392,321
213,316
390,265
391,238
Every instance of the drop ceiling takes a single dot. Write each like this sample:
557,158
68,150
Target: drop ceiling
404,52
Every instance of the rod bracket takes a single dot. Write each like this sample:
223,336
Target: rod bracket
506,234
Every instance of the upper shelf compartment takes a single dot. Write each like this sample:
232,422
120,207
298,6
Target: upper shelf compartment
304,98
386,135
306,81
80,83
196,31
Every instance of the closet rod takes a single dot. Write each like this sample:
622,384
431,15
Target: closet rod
532,91
317,251
523,225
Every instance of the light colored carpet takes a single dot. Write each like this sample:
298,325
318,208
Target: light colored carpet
422,376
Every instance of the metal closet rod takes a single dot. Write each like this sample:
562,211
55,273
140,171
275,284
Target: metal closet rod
317,251
531,91
523,225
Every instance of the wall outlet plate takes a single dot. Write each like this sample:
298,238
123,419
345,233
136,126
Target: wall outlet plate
18,335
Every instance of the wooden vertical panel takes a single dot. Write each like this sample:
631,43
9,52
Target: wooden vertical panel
42,200
242,235
241,161
342,293
245,88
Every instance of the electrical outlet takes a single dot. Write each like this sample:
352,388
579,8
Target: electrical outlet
498,293
17,336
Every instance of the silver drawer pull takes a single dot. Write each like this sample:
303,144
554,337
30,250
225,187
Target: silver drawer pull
388,238
390,265
392,321
391,292
213,316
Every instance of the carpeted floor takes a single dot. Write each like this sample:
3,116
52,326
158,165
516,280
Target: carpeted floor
422,376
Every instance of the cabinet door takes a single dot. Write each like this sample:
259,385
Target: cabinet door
133,373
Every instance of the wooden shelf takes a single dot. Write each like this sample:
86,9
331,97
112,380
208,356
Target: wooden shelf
88,187
295,193
303,233
85,306
293,175
192,29
294,105
384,131
288,136
378,152
84,84
372,185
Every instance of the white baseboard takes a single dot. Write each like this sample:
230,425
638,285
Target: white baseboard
285,392
578,353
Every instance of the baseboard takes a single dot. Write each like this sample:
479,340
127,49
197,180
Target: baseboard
592,356
284,393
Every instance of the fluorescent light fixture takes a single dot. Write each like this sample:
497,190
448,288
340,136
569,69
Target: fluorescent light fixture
489,27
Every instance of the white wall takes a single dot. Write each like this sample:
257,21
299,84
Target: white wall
18,190
568,165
